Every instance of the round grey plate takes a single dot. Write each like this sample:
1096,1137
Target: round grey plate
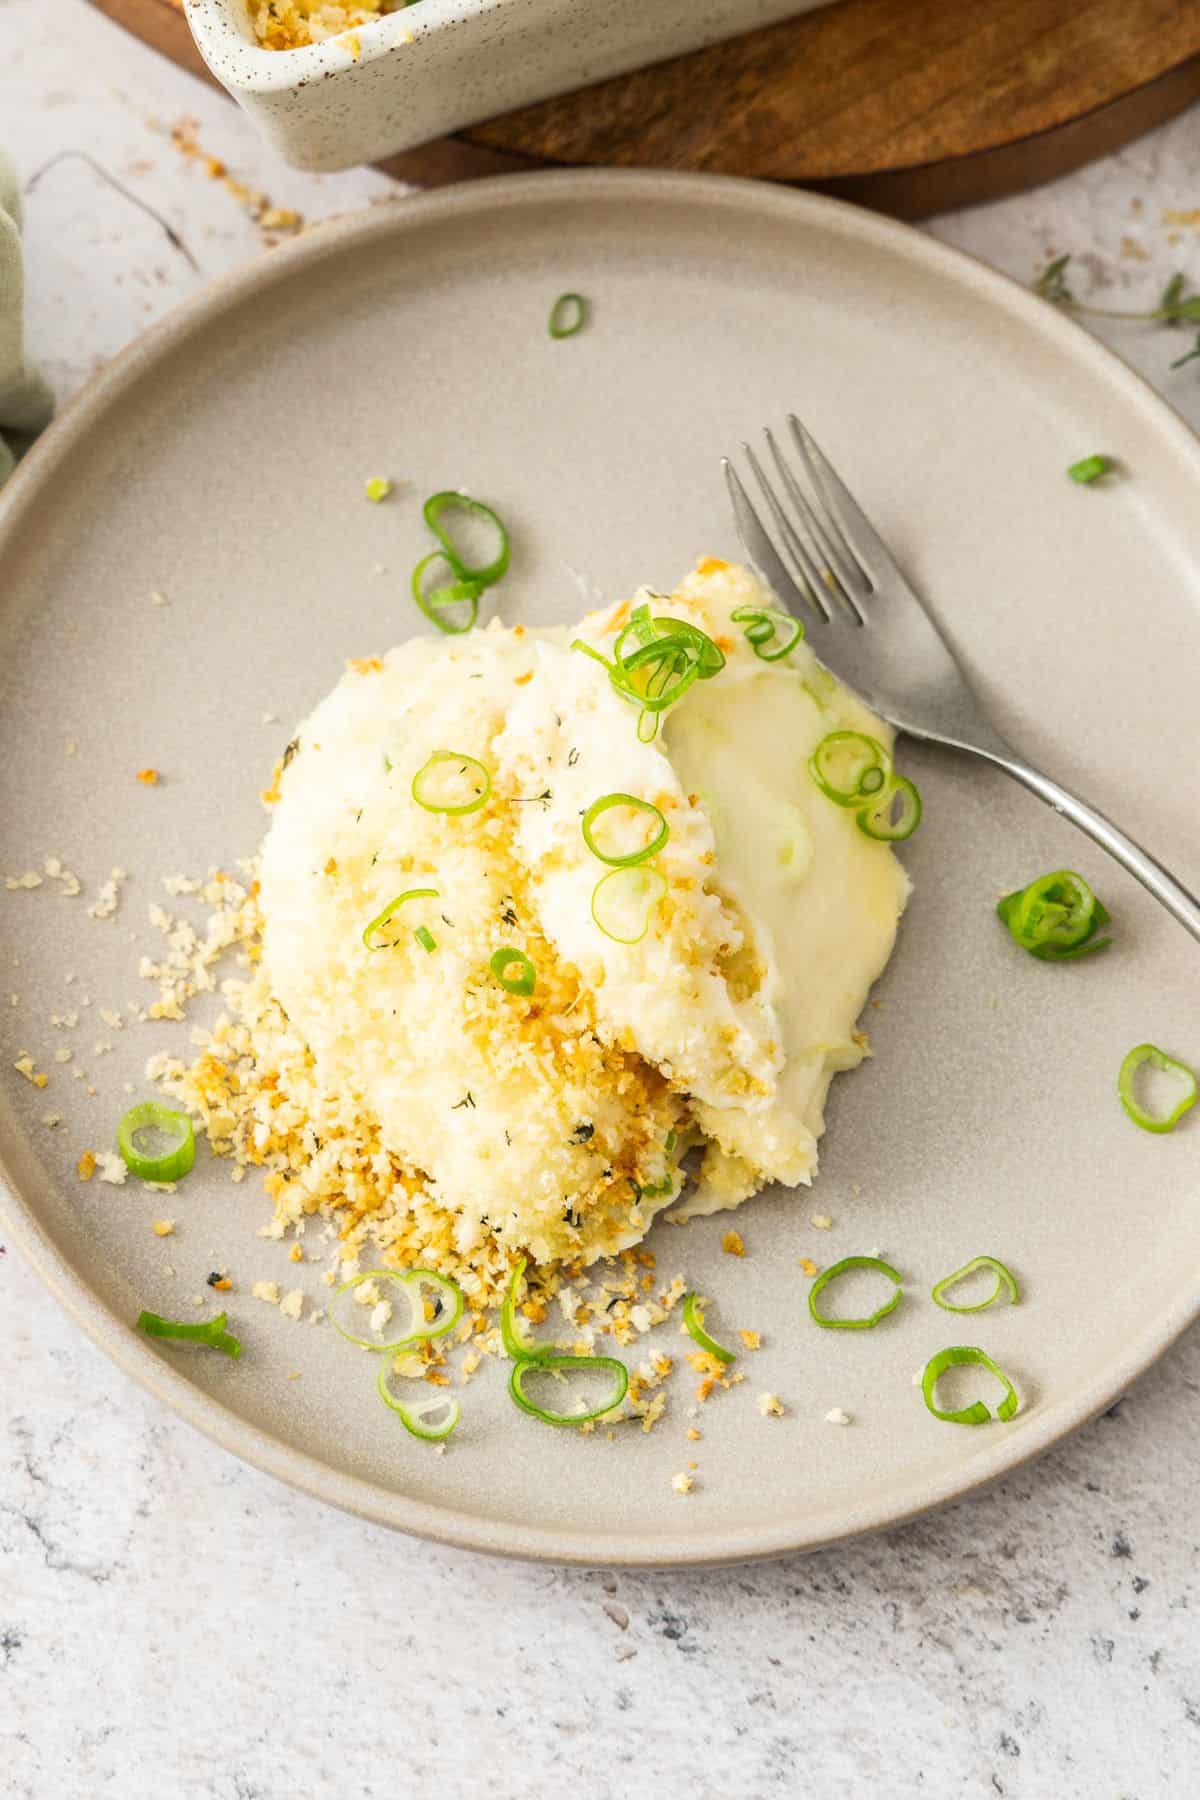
221,461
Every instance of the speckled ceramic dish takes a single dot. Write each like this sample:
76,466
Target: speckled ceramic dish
435,67
221,462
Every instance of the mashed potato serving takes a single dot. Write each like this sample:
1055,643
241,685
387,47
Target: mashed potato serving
683,977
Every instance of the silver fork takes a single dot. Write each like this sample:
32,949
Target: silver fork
830,567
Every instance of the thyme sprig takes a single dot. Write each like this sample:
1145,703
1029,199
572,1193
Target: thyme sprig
1176,305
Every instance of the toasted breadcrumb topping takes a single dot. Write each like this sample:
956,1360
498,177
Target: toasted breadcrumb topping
290,24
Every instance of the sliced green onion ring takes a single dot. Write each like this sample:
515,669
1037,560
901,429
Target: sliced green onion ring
666,669
1006,1283
568,315
841,1268
451,501
710,658
760,625
514,1332
678,636
425,938
211,1332
525,979
605,804
1056,917
895,815
558,1363
850,767
624,899
415,1414
978,1413
693,1322
434,602
169,1163
384,914
668,656
408,1283
1090,468
1167,1065
439,783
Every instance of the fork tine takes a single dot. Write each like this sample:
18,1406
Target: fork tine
758,542
814,593
860,536
829,543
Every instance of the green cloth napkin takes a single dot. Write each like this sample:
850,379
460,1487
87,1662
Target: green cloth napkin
26,402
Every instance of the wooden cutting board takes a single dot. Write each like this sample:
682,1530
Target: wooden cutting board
910,106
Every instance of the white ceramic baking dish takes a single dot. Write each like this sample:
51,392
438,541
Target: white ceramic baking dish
441,64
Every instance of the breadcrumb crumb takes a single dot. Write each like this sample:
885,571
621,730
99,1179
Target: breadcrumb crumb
732,1244
148,777
770,1406
682,1483
163,1227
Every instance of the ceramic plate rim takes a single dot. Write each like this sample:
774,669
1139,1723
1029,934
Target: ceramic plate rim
299,1469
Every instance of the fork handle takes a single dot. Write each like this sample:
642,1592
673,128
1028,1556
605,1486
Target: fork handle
1145,868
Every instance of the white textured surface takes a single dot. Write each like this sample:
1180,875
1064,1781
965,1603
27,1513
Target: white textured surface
173,1624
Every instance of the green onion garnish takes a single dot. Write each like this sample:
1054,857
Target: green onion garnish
959,1356
425,938
450,501
1167,1065
451,783
406,1284
693,1322
623,901
1006,1282
514,1333
761,623
381,918
415,1414
850,767
710,658
378,487
1090,468
656,675
212,1332
568,315
667,656
523,981
462,590
1056,917
841,1268
561,1365
895,815
605,804
172,1160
